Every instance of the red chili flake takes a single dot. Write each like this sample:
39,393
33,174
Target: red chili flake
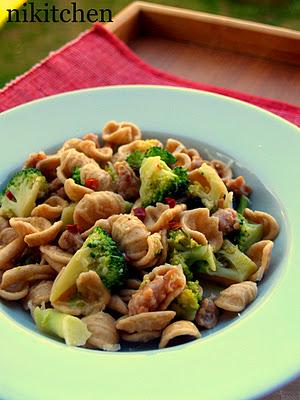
73,228
174,225
127,259
9,195
92,183
140,212
171,202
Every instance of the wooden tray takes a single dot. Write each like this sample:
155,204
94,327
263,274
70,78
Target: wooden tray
227,52
241,55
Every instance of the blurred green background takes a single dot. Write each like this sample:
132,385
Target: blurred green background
22,45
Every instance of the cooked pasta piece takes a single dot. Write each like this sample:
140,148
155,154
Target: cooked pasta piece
224,170
74,191
159,217
92,297
97,205
120,132
147,321
37,231
137,145
270,225
10,251
127,184
48,166
39,295
25,274
70,159
236,297
260,253
104,333
118,305
141,337
55,257
51,209
178,328
202,228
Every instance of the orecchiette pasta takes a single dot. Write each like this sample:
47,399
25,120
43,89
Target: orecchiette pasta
132,229
97,205
269,223
178,328
120,132
202,228
260,253
236,297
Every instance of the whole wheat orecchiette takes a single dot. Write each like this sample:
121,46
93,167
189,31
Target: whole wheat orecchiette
130,242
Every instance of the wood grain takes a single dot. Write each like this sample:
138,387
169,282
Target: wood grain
240,55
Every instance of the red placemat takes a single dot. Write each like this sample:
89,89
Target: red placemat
98,58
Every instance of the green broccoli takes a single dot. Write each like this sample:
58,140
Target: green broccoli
19,197
248,234
232,266
135,159
243,203
70,328
76,175
159,181
110,169
188,253
99,253
188,302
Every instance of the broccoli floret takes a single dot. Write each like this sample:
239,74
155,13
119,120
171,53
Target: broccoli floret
71,329
232,266
19,197
110,169
76,175
188,253
159,181
243,203
249,233
210,188
135,159
98,253
188,302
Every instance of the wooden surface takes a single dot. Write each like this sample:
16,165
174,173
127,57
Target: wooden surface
240,55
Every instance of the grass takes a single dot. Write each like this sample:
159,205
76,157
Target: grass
22,45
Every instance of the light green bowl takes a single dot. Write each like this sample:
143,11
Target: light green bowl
243,358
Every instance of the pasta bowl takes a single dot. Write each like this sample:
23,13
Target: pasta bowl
243,358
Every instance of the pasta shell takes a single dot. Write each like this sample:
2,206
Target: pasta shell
89,148
127,183
158,289
141,337
55,257
178,328
70,159
104,333
120,132
3,223
236,297
118,305
224,170
183,160
26,273
270,225
159,217
10,251
38,295
51,209
13,296
153,254
140,145
93,137
260,253
7,235
48,166
94,296
148,321
89,171
74,191
97,205
202,228
175,146
33,159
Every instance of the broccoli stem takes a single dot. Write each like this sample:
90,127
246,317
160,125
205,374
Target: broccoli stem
67,327
243,203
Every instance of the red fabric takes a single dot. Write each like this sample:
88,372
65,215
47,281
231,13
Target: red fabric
98,58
